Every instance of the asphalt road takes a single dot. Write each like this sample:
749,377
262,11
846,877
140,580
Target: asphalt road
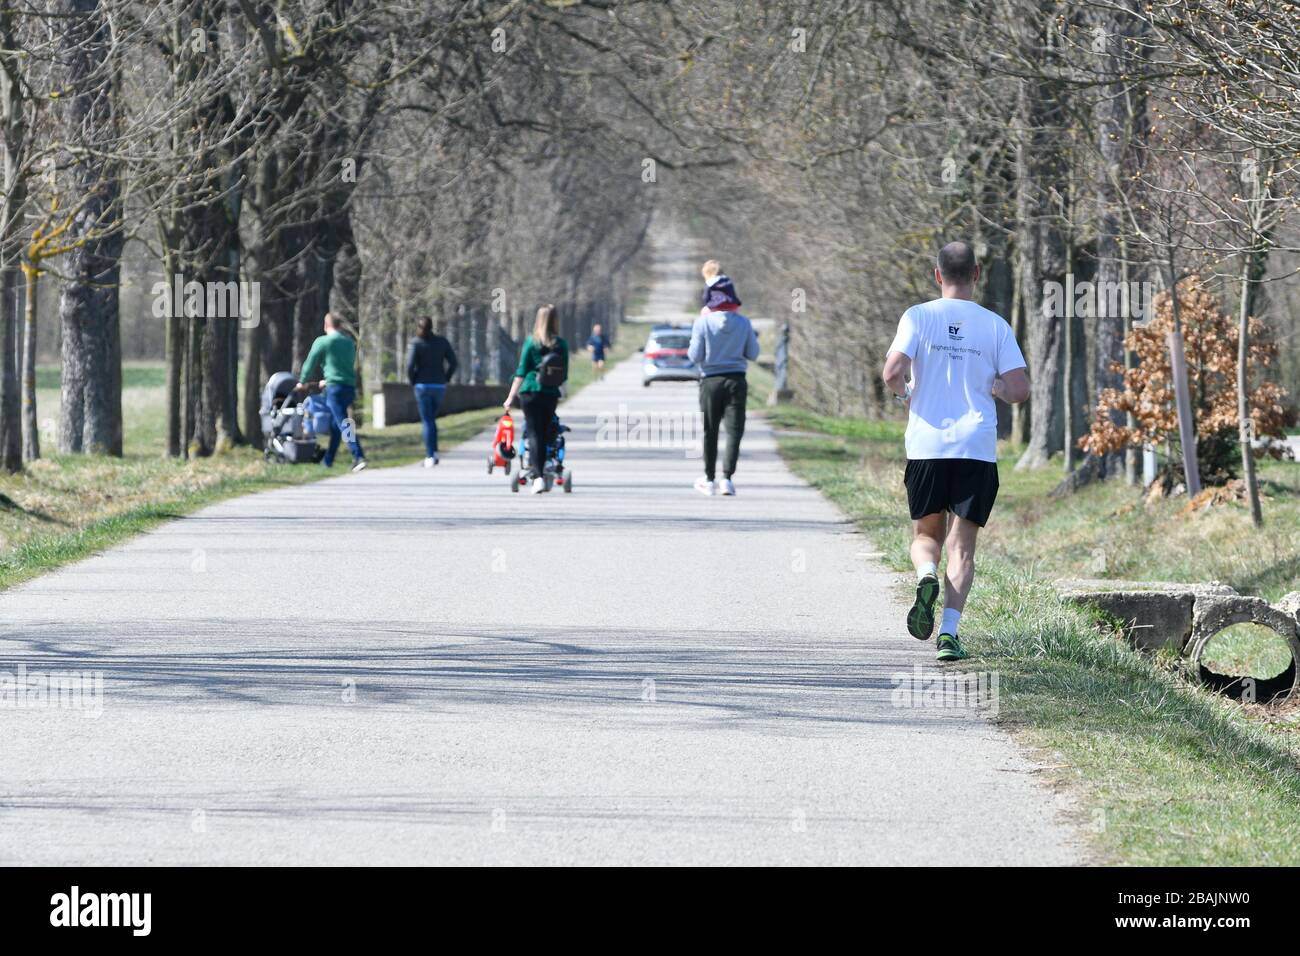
410,666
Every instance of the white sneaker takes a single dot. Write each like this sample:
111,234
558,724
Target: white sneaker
430,462
727,487
360,465
705,487
539,485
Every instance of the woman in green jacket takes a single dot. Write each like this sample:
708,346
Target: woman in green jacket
538,396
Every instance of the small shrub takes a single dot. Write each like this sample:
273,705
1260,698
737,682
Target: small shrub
1210,339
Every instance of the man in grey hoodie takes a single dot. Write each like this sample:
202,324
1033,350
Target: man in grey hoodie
723,343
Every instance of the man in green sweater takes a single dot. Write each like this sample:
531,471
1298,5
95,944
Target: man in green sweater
335,353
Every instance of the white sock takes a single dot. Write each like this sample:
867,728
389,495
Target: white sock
950,618
928,568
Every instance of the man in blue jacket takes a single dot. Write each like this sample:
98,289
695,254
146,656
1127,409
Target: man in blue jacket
723,343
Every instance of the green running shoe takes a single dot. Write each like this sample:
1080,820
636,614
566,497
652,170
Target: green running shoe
920,619
950,648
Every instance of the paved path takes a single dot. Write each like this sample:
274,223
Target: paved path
632,673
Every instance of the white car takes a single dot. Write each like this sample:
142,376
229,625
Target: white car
665,356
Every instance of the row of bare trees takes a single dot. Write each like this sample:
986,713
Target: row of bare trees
382,159
1103,147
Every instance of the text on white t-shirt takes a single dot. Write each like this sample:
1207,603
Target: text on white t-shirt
957,348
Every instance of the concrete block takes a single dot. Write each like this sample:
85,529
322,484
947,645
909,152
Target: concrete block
1154,614
1151,619
1185,617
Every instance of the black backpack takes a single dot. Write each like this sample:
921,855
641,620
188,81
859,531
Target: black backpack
550,369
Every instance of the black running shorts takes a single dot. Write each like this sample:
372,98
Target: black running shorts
965,486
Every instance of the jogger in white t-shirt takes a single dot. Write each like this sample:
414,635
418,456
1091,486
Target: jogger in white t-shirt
959,356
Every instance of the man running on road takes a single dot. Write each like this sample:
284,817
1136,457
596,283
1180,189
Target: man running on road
959,356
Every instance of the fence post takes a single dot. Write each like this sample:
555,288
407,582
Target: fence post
475,360
781,391
481,320
506,354
460,345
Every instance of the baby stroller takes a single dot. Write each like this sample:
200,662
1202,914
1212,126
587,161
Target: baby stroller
290,424
553,471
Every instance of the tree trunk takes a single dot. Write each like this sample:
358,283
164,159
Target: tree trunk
1076,380
1252,271
998,296
91,410
1069,359
278,271
169,233
13,197
234,273
309,308
251,403
217,430
210,263
1247,431
208,251
1019,412
31,427
174,349
314,284
1182,392
235,190
1040,186
1131,455
11,447
343,264
1121,124
345,291
269,343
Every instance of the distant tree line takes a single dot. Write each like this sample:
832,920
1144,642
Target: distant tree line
382,159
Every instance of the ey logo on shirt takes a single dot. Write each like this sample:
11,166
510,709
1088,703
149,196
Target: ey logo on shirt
954,331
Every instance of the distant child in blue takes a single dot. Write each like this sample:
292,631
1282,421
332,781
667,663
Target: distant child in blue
597,345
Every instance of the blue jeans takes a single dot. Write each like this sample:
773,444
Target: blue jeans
337,399
429,397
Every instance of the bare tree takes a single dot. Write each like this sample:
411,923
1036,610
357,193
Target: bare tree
91,408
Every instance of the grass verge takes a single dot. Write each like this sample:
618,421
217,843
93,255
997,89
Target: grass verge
65,507
1167,774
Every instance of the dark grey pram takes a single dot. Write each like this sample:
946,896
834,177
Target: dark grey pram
288,432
